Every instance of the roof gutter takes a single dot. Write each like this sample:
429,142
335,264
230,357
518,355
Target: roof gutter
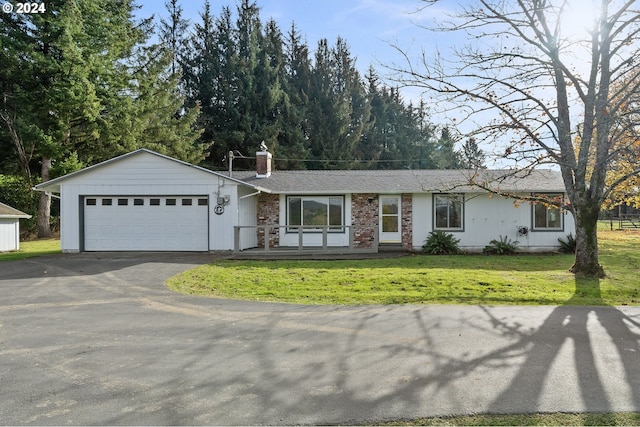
48,193
249,195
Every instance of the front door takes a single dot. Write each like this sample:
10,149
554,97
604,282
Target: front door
390,224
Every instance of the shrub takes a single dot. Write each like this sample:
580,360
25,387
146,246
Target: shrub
568,246
440,243
501,246
16,192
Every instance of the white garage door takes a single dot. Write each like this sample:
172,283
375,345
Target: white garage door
152,223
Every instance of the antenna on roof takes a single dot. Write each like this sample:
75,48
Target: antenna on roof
233,154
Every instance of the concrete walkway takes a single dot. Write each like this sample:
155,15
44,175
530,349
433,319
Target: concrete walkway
98,339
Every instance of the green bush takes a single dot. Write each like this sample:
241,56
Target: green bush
440,243
568,246
501,246
16,192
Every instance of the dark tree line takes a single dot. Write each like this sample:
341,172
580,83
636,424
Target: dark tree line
312,107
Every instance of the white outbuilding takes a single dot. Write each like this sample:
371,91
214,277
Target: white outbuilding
10,227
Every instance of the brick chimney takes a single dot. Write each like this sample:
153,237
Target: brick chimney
263,164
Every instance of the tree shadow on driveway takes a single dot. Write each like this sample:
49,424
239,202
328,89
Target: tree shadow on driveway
606,372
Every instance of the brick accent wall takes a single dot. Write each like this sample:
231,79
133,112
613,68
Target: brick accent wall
268,213
364,219
407,221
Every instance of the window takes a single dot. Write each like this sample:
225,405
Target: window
154,202
170,202
547,217
186,202
448,211
91,202
203,202
123,202
315,211
106,202
138,202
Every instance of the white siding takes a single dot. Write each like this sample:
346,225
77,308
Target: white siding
9,234
487,218
146,174
247,215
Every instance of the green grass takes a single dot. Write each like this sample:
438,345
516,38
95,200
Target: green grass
33,248
559,419
423,279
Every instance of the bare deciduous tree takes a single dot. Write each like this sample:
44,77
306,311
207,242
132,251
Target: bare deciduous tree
557,86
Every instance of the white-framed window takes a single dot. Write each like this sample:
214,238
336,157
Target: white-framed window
547,217
448,212
315,211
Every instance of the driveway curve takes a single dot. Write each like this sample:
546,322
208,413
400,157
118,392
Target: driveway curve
98,339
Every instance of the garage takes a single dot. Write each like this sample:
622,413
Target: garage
146,223
147,201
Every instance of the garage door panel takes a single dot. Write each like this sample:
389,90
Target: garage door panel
145,223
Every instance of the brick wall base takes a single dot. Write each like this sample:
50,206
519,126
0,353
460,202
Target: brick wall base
364,219
269,213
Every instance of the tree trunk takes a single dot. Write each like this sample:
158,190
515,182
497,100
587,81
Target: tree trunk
44,207
587,264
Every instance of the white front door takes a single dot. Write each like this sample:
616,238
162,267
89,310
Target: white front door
390,221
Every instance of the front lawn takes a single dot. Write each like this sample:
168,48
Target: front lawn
33,248
423,279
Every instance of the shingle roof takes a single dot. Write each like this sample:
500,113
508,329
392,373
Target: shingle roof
7,211
404,181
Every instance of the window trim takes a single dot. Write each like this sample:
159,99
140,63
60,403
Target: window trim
435,212
546,229
337,229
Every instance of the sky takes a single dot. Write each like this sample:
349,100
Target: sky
370,27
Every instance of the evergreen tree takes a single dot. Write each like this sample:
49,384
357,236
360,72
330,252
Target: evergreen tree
313,112
173,33
397,136
445,155
337,110
209,81
78,87
474,157
293,136
235,73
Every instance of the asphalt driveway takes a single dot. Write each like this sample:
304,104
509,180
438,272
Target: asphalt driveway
99,339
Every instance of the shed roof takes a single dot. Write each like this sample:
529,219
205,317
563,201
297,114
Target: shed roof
405,181
7,211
